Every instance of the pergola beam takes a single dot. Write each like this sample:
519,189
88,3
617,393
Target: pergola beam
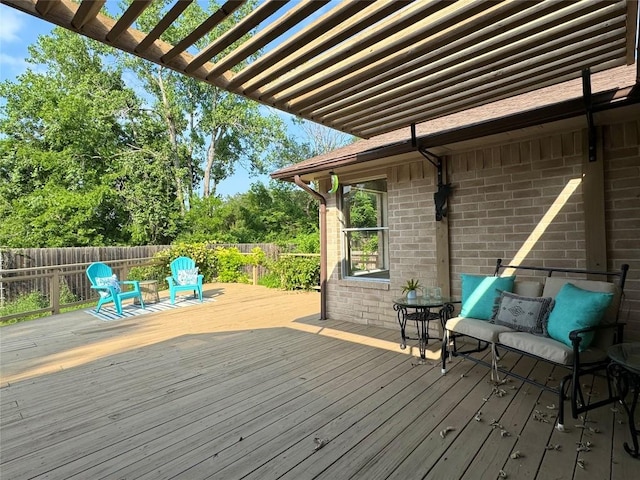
262,38
368,67
243,27
526,55
127,19
201,30
43,6
163,24
364,47
480,43
338,25
482,96
86,12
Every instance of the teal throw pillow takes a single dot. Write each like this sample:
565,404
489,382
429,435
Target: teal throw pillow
576,308
479,294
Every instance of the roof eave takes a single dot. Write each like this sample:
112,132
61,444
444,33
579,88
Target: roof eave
559,111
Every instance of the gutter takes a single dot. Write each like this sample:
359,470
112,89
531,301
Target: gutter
323,243
566,109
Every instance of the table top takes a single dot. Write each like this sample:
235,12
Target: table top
147,282
424,302
627,355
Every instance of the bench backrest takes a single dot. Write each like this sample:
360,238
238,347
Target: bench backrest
553,284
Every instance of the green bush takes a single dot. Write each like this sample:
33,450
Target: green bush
307,242
270,280
156,272
66,295
24,303
205,258
296,273
230,262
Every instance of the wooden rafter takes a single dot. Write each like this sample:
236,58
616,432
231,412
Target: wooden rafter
205,27
243,27
465,54
336,26
43,6
163,24
325,63
130,15
436,47
481,96
262,38
86,12
473,69
371,66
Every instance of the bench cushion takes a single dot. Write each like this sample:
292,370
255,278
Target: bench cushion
548,348
527,288
476,328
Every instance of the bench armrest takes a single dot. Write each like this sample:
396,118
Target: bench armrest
575,337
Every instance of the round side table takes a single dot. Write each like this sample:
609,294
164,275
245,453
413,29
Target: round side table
625,369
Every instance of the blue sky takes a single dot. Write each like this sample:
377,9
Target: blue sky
19,30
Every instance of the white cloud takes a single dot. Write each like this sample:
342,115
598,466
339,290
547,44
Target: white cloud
13,62
11,66
11,25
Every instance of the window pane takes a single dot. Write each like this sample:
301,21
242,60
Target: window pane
366,237
366,253
364,204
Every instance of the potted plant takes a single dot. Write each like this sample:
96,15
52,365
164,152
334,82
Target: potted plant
410,288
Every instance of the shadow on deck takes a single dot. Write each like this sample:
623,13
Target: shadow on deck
255,386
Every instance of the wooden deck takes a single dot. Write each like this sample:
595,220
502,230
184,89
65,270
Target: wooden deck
254,386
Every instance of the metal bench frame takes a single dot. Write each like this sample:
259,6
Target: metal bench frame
578,369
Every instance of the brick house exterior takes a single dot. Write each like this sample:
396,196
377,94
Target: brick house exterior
527,195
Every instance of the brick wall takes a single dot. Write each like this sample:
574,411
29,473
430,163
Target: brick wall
411,248
519,200
622,207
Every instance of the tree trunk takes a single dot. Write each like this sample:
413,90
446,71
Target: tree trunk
173,139
211,157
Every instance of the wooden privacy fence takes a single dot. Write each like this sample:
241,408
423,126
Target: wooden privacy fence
37,265
51,271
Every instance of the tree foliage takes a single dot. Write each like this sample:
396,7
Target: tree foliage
99,148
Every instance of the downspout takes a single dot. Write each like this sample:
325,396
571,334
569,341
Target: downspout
323,243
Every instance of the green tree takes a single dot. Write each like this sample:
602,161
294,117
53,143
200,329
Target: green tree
61,133
208,132
276,213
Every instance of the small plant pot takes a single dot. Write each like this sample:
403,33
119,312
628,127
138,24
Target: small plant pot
412,295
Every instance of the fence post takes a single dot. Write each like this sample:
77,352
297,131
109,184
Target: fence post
255,275
55,292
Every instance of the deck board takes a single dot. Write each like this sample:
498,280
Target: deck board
241,388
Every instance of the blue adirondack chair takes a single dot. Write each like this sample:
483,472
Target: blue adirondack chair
184,276
110,289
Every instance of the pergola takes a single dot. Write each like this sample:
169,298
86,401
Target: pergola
370,67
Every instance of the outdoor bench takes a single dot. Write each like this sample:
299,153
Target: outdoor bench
568,320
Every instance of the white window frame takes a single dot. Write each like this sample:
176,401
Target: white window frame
383,246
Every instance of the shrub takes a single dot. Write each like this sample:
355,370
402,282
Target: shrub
205,258
230,262
270,280
156,272
307,242
66,295
296,273
24,303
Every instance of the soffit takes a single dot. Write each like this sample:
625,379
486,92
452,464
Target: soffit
371,67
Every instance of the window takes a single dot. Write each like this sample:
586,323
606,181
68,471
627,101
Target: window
365,230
